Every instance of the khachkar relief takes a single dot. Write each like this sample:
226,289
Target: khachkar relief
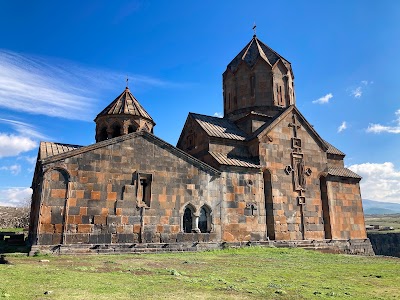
298,169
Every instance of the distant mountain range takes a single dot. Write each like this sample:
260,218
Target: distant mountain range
380,208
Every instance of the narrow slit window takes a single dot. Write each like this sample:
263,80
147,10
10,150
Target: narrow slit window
144,189
252,85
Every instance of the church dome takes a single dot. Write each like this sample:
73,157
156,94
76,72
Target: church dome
125,104
254,50
257,80
122,116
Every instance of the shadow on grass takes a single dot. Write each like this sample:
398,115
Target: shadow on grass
10,242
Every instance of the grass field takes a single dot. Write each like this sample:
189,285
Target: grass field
251,273
384,220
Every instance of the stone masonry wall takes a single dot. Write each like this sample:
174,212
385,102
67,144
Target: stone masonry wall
293,221
243,213
103,192
345,209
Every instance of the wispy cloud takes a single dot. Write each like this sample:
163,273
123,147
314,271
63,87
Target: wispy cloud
378,128
13,145
358,91
56,87
323,100
15,196
381,182
13,169
24,129
342,127
30,159
218,115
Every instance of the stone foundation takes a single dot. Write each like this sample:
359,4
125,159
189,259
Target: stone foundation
356,246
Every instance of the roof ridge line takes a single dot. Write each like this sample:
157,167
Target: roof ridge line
104,143
262,53
248,47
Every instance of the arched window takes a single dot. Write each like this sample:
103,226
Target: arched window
131,128
188,220
204,220
103,134
116,130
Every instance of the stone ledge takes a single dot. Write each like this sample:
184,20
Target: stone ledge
358,247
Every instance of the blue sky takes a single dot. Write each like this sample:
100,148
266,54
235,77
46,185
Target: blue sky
62,63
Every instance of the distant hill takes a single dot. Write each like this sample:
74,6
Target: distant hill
380,208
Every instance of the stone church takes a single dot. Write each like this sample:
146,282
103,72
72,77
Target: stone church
261,174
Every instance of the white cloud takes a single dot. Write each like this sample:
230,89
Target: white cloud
15,196
358,91
14,169
342,126
218,115
24,129
378,128
30,159
57,88
381,182
324,99
12,145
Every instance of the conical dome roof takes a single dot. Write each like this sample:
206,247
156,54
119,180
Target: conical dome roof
125,104
252,51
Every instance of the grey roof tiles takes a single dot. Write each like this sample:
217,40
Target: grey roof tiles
219,127
125,104
333,150
252,51
343,172
222,159
48,149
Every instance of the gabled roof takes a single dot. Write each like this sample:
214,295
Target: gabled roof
223,159
252,51
125,104
48,149
54,157
219,127
267,127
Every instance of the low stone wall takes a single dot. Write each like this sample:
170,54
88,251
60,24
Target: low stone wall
385,243
360,247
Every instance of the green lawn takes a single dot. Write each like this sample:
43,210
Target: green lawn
250,273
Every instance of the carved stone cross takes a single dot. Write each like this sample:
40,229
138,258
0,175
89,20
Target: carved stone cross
295,125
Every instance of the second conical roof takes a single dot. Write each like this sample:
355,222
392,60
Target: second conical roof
125,104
